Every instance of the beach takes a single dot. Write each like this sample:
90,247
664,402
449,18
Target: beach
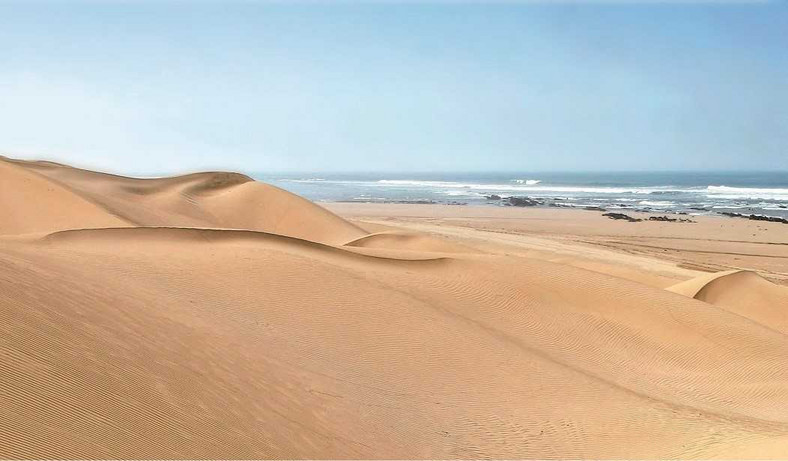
655,252
210,315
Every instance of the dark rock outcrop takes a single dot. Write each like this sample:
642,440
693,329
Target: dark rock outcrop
523,201
669,219
755,217
622,216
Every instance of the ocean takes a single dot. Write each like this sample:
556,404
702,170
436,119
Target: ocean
694,193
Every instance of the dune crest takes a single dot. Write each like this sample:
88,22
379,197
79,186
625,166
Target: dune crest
409,241
743,292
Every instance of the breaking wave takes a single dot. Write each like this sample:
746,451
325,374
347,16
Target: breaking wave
746,193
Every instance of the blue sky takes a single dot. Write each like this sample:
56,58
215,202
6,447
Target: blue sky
144,86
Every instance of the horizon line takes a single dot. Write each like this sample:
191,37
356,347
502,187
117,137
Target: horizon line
406,2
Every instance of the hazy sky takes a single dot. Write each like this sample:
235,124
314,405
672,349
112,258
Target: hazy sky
145,86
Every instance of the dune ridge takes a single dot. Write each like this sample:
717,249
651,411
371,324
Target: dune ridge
409,241
212,316
129,236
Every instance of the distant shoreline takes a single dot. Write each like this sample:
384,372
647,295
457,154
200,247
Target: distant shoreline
645,211
759,194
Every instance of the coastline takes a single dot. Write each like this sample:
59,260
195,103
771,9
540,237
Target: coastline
654,252
763,195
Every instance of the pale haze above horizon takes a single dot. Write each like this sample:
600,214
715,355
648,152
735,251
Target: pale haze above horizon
146,86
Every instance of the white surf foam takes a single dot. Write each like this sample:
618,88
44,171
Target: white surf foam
725,192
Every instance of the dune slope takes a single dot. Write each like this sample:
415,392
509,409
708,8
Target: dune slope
170,341
29,203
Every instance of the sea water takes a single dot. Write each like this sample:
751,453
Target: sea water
696,193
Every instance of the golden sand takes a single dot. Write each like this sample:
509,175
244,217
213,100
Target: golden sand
212,316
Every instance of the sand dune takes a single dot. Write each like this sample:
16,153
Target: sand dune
164,341
744,293
214,200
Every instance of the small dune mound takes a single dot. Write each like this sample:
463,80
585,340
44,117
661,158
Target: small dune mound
691,287
409,241
30,203
209,200
742,292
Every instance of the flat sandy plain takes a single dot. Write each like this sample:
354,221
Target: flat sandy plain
212,316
